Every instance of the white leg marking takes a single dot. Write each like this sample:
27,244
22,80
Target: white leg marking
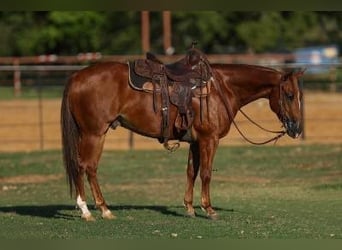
299,104
83,206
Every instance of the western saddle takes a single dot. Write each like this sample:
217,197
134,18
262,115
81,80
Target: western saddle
176,83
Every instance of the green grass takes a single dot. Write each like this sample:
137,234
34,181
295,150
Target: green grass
259,192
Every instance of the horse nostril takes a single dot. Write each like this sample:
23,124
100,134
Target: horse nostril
294,129
290,125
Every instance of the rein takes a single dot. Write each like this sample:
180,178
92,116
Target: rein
258,125
275,139
231,116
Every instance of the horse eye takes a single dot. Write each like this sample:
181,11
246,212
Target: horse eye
290,96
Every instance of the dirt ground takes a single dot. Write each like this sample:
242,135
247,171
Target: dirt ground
21,129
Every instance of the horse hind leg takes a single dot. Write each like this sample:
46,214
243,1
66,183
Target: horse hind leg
81,204
80,195
192,172
90,150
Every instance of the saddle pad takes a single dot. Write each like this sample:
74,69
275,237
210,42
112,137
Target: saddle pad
136,81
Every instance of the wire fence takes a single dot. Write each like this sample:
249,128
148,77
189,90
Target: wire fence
30,97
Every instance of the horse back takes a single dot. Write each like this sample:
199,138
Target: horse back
99,80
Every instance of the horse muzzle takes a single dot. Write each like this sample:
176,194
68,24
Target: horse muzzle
293,129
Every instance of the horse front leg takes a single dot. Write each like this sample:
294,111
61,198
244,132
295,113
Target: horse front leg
191,173
207,149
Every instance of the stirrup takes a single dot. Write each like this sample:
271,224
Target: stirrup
171,147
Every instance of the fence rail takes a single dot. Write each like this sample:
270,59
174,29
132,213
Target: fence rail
30,111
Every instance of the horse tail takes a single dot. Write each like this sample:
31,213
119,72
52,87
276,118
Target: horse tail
70,138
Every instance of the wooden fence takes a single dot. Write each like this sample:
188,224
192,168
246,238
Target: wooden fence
30,98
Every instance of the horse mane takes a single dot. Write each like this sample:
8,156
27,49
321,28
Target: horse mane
263,68
241,65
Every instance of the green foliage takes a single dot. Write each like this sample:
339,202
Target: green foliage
263,33
302,29
209,28
119,32
13,25
122,33
64,33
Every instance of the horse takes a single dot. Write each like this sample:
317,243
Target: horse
98,98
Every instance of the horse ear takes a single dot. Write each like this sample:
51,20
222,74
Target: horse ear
300,73
297,74
286,75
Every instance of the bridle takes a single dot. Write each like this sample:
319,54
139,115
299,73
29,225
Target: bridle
282,112
228,108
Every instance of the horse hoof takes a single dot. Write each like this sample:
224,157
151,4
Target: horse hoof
190,211
191,214
213,216
108,215
87,217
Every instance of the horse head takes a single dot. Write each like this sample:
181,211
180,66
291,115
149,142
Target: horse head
286,102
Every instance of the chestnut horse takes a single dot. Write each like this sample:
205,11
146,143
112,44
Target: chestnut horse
99,97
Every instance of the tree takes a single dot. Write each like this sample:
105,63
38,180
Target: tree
209,28
118,32
12,27
262,33
302,29
121,33
65,33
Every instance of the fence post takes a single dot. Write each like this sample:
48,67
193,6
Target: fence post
332,78
302,110
40,114
131,140
145,31
16,78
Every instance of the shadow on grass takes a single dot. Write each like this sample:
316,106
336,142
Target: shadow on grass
43,211
68,212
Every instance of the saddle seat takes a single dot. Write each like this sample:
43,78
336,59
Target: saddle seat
181,70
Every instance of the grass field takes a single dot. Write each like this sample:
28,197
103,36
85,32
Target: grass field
287,192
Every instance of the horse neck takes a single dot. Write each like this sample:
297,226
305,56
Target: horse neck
249,83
